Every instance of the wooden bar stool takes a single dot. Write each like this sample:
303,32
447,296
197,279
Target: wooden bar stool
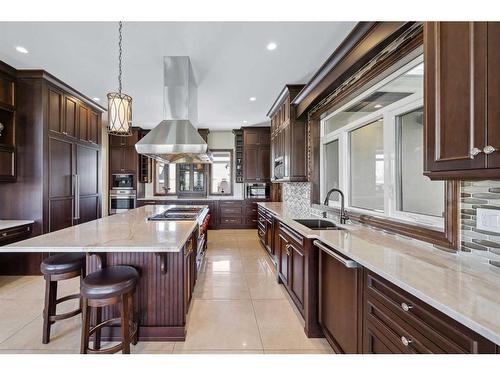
107,287
55,268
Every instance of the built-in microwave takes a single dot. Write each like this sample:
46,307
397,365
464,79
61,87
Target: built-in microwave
122,181
257,191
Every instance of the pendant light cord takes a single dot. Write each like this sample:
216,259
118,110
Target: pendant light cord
120,57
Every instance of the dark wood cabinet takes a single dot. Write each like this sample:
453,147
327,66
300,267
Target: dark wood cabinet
256,154
398,322
266,231
56,156
288,139
18,263
340,300
123,158
8,114
462,92
145,163
189,271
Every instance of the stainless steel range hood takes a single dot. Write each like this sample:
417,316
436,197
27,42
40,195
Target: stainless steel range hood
175,139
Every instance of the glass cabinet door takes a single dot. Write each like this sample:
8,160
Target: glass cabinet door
184,177
198,177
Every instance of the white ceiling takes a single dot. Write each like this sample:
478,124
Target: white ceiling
230,61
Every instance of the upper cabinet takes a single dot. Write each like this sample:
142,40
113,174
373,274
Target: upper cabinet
7,123
288,139
256,154
462,96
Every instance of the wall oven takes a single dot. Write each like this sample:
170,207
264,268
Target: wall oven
122,181
121,200
257,191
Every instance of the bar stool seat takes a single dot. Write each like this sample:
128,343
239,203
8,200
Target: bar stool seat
106,287
55,268
109,282
62,263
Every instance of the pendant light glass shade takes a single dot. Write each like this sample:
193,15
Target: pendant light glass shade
119,104
119,114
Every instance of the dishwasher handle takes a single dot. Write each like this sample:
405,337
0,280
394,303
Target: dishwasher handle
348,263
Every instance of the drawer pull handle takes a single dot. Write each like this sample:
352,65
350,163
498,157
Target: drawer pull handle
474,151
489,149
405,341
4,234
406,307
348,263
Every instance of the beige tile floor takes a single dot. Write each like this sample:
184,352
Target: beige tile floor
237,307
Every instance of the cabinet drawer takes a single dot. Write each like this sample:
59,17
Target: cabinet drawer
230,203
446,334
291,234
395,330
251,220
15,234
230,220
231,211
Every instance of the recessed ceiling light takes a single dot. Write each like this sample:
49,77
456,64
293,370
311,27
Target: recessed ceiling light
253,98
21,49
378,106
245,121
271,46
96,99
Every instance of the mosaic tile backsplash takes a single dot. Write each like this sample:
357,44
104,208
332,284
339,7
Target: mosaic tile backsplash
297,194
479,194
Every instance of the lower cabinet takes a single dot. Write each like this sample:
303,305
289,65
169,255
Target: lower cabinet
189,270
18,263
395,321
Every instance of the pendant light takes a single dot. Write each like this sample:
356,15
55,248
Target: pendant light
119,104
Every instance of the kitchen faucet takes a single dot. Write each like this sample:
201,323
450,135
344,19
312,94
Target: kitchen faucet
343,212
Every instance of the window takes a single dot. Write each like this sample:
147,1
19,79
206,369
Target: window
221,172
367,166
415,192
372,149
164,179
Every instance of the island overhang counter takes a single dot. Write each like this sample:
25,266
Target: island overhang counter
164,253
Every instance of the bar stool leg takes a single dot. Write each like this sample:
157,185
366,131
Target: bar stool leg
48,308
84,343
53,295
125,324
98,320
134,319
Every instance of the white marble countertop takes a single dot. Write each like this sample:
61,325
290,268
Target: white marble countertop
175,198
125,232
462,286
7,224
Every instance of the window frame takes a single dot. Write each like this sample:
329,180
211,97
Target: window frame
231,179
388,114
167,180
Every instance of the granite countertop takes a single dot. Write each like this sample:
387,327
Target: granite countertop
461,285
209,198
125,232
7,224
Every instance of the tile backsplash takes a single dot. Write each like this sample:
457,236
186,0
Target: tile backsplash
297,194
479,194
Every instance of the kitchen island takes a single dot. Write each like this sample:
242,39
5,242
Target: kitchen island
164,253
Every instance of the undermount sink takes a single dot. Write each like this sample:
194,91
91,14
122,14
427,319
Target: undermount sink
318,224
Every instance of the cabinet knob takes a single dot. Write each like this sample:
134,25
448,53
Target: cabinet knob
474,152
406,307
405,341
489,149
4,234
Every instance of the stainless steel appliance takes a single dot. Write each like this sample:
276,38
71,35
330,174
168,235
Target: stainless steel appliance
257,191
122,181
200,214
121,200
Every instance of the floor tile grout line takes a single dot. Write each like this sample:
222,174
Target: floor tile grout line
20,329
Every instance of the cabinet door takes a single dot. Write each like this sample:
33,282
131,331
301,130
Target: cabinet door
70,119
94,127
455,102
251,163
285,145
494,93
60,168
376,343
116,160
116,141
283,258
264,163
130,159
297,272
83,123
251,137
55,112
60,213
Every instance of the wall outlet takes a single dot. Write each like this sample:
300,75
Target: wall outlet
487,219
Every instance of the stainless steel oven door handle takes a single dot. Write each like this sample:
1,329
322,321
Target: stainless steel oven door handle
348,263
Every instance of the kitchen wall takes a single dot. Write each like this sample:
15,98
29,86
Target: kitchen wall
297,194
216,140
479,194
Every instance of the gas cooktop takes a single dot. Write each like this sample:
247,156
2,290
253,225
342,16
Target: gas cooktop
178,213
